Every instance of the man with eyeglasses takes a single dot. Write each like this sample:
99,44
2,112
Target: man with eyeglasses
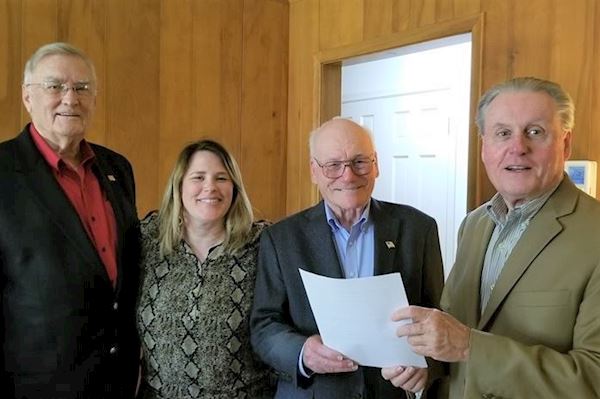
69,244
347,235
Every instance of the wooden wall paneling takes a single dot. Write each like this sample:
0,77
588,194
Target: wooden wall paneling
82,23
497,64
264,107
593,128
400,15
477,180
422,13
572,66
498,37
328,85
444,10
466,7
340,22
232,62
11,69
417,35
132,90
177,76
304,44
378,17
216,61
531,35
39,25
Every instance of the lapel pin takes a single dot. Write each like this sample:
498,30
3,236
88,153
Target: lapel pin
111,178
390,244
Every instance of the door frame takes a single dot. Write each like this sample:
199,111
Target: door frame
328,85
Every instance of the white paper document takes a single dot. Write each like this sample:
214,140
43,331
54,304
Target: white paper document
354,318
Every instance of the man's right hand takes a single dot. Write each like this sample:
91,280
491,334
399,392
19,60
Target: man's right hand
320,359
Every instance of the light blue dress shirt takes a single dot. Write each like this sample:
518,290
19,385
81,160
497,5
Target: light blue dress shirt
355,250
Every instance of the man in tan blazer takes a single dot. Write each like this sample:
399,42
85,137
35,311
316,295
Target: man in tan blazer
522,303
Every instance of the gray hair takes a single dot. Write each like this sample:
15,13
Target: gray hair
57,48
564,102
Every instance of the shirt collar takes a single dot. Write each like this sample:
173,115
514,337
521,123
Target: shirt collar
334,223
51,157
497,209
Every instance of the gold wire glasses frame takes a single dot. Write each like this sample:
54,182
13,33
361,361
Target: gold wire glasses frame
56,88
334,169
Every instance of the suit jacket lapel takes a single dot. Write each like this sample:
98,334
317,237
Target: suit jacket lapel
468,273
386,239
323,250
44,188
542,229
102,170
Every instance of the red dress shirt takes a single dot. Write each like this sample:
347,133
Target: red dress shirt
83,190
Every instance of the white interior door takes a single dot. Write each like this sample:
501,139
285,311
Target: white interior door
420,127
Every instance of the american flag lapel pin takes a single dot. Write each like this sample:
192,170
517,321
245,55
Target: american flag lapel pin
111,178
390,244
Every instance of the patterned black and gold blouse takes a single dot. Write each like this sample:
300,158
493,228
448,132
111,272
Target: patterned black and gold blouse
193,321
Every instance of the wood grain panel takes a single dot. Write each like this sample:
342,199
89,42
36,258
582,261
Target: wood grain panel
232,61
594,87
400,15
217,60
378,18
132,84
531,34
343,23
466,7
264,89
177,75
422,13
571,65
83,24
304,44
11,69
39,25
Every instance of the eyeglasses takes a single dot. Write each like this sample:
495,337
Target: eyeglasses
57,88
334,169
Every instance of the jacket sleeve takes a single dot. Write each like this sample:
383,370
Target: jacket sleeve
273,337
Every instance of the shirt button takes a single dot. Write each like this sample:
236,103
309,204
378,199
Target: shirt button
113,350
93,219
103,249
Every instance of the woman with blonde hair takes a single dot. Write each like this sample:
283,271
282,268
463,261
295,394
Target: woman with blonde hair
198,268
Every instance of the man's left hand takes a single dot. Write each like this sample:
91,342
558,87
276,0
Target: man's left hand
411,379
434,333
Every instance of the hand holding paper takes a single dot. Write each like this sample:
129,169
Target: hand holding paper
354,318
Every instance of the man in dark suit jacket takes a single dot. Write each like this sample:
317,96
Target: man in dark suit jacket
69,244
347,235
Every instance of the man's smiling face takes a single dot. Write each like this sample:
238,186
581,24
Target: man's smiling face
343,140
524,147
62,116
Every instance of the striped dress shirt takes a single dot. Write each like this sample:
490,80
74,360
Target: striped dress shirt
510,225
